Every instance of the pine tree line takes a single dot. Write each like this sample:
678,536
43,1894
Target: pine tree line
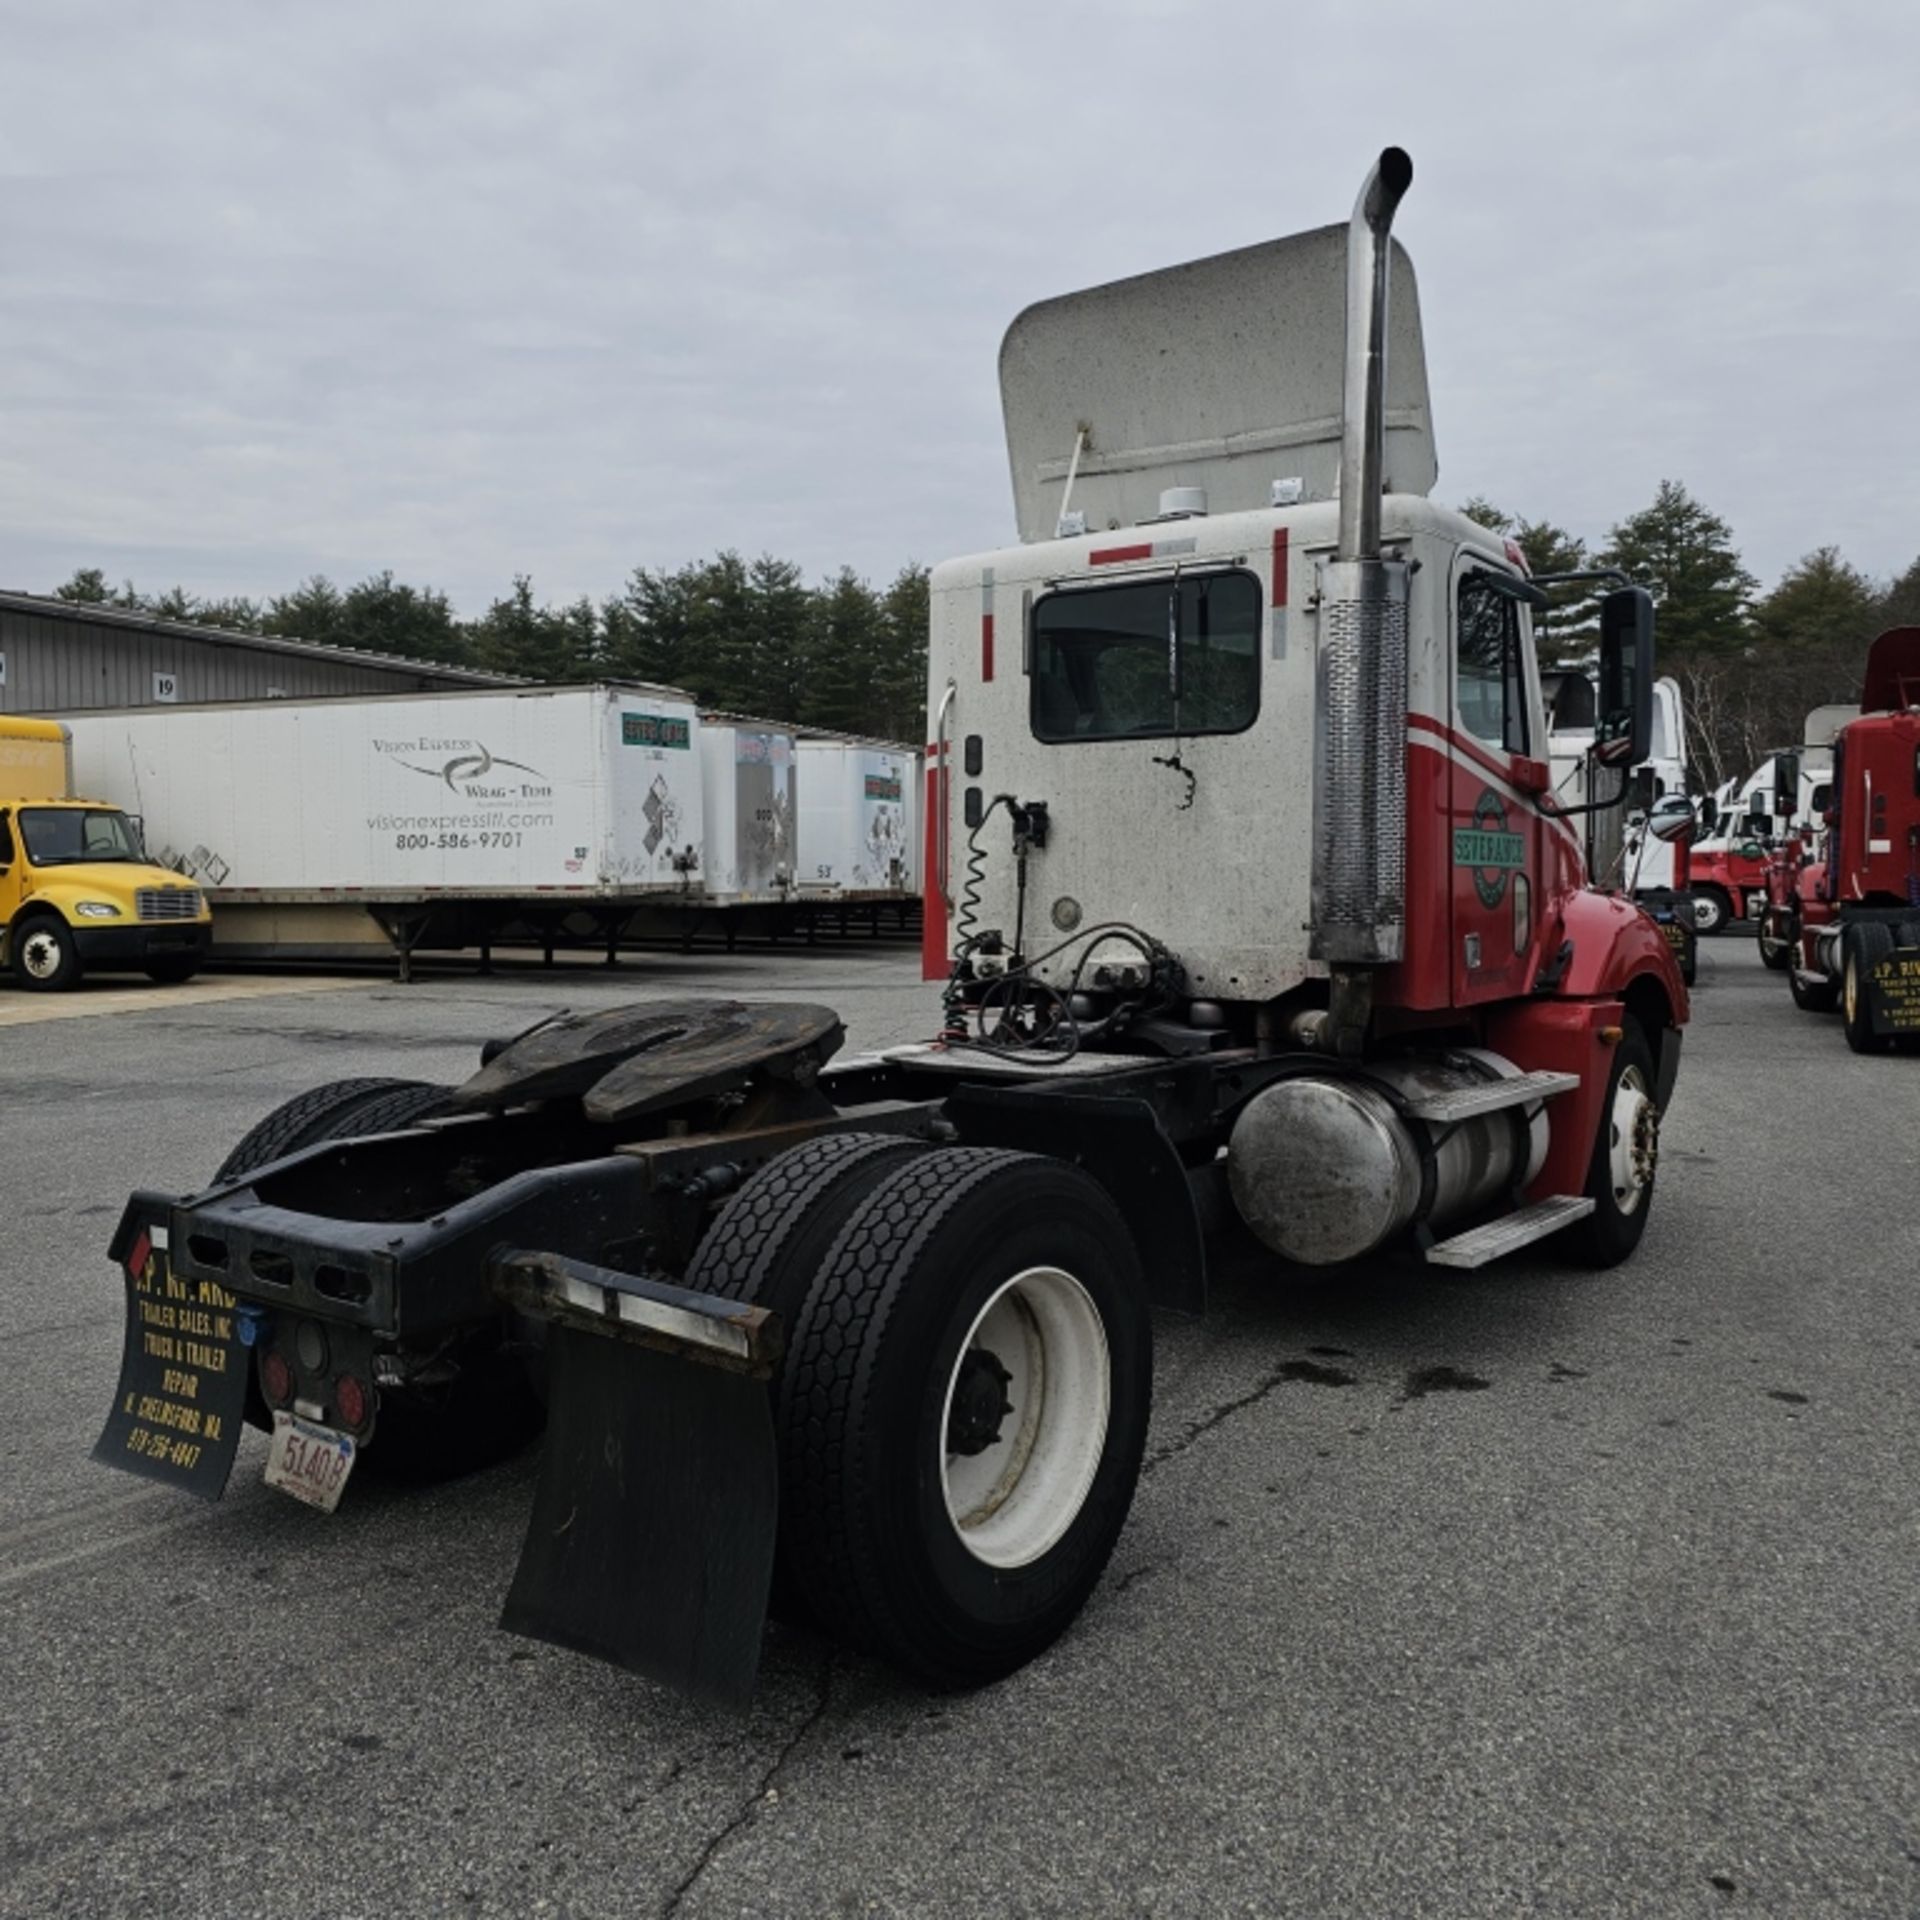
744,636
754,637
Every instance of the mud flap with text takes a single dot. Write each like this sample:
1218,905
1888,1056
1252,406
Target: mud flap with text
178,1408
652,1534
1893,994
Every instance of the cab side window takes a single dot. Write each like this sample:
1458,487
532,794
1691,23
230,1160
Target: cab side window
6,840
1490,685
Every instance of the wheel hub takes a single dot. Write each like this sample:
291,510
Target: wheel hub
1633,1141
40,954
980,1403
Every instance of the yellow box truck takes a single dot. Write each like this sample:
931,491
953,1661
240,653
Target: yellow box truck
77,892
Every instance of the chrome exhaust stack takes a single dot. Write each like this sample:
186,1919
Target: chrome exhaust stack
1358,913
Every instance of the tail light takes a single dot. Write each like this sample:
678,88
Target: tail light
350,1402
276,1377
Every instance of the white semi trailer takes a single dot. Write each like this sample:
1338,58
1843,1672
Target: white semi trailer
858,819
428,819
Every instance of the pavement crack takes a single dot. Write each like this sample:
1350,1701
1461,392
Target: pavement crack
1288,1370
767,1785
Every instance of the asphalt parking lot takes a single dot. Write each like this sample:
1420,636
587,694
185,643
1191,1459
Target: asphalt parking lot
1527,1591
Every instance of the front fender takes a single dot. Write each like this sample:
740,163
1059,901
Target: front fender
1616,946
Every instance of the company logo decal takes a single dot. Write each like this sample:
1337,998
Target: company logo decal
470,761
1489,849
654,730
883,786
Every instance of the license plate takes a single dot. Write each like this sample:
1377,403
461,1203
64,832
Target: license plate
309,1461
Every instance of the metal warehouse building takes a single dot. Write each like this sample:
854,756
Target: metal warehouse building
59,656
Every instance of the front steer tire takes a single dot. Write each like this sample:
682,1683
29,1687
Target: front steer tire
1712,909
46,958
988,1301
1626,1145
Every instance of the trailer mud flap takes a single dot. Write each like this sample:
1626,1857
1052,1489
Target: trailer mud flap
178,1409
652,1534
1893,994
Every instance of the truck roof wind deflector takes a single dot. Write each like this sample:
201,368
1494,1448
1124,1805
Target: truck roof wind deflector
1226,373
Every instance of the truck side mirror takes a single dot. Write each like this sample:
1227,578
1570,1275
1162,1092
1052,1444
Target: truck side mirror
1624,736
1786,784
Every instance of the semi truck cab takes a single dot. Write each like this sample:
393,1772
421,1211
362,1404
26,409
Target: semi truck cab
77,891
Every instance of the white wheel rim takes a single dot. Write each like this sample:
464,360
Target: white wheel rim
1706,914
1633,1141
1012,1501
40,955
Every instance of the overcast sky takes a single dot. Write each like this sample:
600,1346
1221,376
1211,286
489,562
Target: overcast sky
465,290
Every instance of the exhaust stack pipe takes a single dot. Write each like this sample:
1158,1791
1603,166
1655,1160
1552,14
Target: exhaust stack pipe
1358,918
1363,423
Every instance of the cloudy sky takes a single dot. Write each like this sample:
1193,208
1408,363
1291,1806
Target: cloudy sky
571,287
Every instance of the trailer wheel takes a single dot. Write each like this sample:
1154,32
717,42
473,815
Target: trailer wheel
963,1412
45,959
1862,948
336,1111
1812,992
1711,909
1777,940
1626,1152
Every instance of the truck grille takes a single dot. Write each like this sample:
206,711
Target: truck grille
168,903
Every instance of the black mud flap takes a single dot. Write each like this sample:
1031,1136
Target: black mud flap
178,1409
1893,994
652,1534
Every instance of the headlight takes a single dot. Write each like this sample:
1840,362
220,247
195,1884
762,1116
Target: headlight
96,910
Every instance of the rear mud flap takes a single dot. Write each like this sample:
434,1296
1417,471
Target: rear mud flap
1893,994
178,1409
652,1534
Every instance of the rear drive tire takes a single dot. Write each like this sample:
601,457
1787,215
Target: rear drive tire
1812,992
45,958
335,1111
1626,1152
1862,948
172,972
417,1436
767,1245
963,1412
1711,910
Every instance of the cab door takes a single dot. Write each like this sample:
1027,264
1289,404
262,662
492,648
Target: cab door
1498,834
10,870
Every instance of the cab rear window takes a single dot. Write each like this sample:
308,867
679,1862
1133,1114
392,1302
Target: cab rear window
1147,659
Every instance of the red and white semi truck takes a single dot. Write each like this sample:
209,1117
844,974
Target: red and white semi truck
1853,923
1243,875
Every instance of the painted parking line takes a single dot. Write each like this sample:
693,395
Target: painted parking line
21,1009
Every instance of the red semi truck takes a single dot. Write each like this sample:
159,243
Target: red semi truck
1246,888
1854,920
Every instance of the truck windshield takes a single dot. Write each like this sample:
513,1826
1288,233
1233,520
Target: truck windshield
62,836
1147,657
